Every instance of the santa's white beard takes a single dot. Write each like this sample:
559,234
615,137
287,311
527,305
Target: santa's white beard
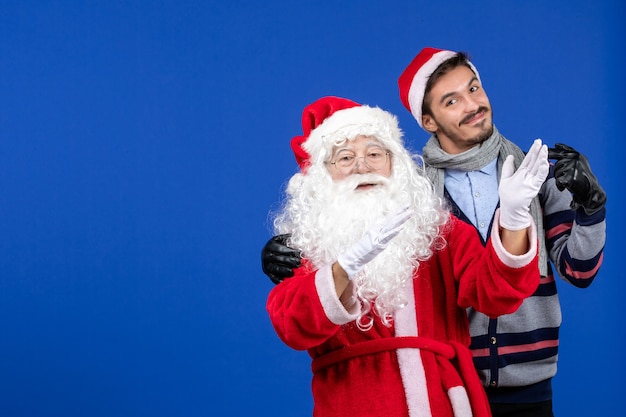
328,217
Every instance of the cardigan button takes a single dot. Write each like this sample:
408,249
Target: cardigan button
493,340
493,383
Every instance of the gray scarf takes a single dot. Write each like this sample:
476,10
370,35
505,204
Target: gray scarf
437,160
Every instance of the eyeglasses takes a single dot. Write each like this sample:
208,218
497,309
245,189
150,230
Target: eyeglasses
374,159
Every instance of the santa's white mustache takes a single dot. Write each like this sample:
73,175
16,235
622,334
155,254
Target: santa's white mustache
352,182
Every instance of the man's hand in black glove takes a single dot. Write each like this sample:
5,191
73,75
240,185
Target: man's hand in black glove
572,171
279,260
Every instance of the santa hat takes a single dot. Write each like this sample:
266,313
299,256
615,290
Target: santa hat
331,120
412,82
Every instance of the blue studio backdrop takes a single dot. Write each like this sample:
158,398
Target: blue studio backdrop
144,144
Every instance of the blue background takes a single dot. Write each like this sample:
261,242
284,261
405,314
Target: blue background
144,144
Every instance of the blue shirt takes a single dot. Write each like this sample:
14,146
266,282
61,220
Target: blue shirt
476,193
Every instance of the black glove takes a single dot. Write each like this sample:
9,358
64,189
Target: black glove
572,171
279,260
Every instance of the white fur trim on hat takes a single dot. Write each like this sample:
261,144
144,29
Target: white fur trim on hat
348,124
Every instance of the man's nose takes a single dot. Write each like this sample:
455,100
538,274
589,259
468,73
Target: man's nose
471,104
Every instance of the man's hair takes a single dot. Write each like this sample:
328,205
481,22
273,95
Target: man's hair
460,59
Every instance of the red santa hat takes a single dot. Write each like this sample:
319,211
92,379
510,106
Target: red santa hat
331,120
412,82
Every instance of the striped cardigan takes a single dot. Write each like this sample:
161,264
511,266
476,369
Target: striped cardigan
516,354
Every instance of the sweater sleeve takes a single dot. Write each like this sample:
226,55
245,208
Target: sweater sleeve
574,239
491,280
305,310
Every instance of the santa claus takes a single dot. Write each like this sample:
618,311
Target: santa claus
387,273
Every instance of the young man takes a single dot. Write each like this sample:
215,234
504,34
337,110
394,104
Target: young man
387,273
515,355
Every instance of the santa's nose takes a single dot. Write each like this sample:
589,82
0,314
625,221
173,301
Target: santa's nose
360,165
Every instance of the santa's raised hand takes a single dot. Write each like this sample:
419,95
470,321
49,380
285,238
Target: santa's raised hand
518,187
373,242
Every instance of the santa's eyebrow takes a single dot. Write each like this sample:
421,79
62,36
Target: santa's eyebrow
370,144
374,143
338,150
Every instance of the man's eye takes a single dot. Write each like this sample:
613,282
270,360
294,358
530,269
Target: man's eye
451,102
473,88
346,158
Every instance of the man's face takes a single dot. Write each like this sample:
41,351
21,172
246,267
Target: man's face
363,155
461,114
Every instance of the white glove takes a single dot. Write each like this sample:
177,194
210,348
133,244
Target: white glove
517,189
373,242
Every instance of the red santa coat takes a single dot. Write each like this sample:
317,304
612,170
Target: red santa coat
421,366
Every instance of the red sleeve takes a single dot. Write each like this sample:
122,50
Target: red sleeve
485,281
305,310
